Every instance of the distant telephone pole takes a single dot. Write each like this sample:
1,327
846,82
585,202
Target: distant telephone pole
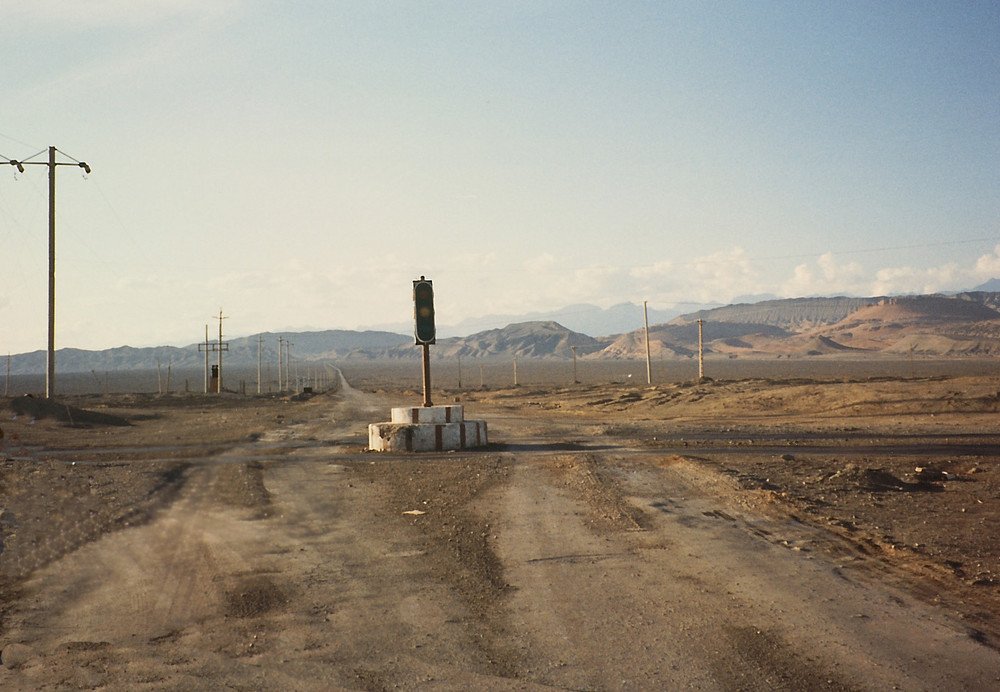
220,318
209,347
207,351
50,359
649,367
259,339
281,348
701,353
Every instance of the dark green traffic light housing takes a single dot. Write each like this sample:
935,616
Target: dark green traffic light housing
423,311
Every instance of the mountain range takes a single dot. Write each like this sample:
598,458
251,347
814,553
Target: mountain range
960,324
580,317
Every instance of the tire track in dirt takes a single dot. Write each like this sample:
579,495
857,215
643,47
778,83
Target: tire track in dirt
131,593
703,596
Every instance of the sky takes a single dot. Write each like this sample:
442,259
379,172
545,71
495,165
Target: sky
296,164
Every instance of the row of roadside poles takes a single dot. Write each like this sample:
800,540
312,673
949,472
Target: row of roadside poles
213,373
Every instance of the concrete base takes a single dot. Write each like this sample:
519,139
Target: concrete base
411,415
427,429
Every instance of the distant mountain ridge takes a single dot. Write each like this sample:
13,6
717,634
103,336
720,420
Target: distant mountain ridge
933,325
961,324
581,317
333,344
991,286
523,340
787,313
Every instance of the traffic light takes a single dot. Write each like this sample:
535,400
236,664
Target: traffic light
423,311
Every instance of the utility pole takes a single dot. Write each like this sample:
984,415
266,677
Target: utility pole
281,341
50,359
207,350
701,353
288,360
575,380
209,347
649,367
220,318
259,339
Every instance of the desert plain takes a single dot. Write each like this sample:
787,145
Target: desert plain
827,529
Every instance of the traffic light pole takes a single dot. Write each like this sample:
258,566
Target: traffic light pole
427,375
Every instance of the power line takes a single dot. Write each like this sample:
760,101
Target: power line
860,251
715,259
13,139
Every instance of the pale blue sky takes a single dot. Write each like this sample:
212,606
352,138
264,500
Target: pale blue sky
298,163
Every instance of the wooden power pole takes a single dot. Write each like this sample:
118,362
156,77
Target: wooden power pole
649,367
50,357
701,353
259,339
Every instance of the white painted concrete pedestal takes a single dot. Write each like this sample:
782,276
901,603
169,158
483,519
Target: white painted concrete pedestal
426,429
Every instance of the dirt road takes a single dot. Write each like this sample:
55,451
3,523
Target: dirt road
285,558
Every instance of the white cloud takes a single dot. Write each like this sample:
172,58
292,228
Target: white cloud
541,263
988,266
826,277
652,272
476,259
894,280
718,277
